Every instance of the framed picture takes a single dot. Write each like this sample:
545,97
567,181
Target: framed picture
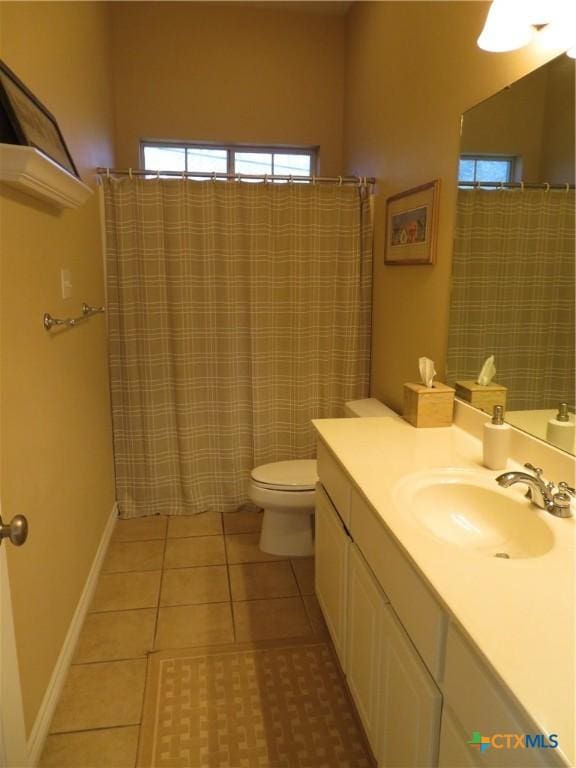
411,219
25,121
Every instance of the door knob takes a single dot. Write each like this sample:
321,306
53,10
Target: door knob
16,530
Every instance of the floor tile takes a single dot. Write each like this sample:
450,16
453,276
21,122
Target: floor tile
133,556
188,586
116,635
269,619
189,625
315,616
101,696
304,570
122,591
204,524
250,581
197,550
106,748
140,529
243,548
242,521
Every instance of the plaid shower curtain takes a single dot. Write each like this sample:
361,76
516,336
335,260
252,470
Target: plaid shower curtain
237,313
513,293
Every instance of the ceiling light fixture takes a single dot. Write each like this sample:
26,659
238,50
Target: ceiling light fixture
512,24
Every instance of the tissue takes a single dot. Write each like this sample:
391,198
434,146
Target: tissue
427,371
487,372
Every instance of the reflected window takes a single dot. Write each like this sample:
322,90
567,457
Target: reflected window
481,168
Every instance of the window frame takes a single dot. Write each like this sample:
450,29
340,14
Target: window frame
514,167
312,151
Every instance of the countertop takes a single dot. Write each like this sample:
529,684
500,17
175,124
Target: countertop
519,613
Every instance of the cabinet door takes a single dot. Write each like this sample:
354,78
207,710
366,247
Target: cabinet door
364,642
331,567
455,752
411,702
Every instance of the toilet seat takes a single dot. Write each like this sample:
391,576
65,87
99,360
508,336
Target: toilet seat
295,475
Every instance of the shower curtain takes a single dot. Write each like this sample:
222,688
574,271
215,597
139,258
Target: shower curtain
237,313
513,293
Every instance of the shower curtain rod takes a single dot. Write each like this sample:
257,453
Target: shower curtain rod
359,180
513,185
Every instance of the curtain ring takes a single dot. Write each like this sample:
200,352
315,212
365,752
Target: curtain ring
290,179
157,173
313,179
501,187
547,186
130,173
214,176
265,178
339,181
108,174
521,186
567,187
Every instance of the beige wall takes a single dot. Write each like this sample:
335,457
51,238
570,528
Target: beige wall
196,71
510,123
56,464
413,69
559,125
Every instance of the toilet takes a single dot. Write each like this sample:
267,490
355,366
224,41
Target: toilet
285,490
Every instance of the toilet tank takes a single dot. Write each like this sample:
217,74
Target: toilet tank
367,407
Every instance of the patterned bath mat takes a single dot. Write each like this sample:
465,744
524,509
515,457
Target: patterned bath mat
264,706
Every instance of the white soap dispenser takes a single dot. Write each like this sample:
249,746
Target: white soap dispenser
496,443
560,431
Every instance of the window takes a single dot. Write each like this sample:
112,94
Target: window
203,158
479,168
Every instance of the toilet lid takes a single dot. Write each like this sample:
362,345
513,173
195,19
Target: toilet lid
297,475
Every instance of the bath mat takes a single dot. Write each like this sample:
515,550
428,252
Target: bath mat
269,705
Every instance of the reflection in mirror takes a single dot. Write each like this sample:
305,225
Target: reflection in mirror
513,292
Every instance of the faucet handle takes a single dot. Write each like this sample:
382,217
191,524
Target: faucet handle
538,471
565,488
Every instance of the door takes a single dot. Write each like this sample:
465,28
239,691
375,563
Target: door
13,752
364,643
411,702
332,544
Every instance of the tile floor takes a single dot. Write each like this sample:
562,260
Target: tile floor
170,583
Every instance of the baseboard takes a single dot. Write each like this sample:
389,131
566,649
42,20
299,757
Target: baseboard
41,726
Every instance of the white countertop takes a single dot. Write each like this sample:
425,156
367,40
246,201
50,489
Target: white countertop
520,613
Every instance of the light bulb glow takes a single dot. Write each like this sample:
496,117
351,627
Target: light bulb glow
511,24
503,30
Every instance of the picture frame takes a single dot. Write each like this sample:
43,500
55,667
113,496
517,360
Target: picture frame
411,226
25,121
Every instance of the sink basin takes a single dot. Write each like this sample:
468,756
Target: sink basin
468,509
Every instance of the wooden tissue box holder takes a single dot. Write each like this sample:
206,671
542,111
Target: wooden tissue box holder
483,397
424,407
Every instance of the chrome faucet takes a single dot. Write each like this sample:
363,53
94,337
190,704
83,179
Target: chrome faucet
544,495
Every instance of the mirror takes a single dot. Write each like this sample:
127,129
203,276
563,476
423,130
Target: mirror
513,290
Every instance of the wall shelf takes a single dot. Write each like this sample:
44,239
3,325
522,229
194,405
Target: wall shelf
30,171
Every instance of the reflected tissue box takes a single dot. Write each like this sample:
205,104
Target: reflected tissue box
428,406
481,396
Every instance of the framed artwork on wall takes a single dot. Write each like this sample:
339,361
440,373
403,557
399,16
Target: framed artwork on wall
25,121
411,223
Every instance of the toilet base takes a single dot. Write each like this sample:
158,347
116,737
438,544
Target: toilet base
287,533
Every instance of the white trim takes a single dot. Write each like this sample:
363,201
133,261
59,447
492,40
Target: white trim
12,734
41,726
34,173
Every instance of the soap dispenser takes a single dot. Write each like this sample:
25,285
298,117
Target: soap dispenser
560,431
496,443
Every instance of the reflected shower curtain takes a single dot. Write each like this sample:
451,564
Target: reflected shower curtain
513,293
237,313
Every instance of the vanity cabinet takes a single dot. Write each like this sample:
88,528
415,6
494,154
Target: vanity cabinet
395,695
